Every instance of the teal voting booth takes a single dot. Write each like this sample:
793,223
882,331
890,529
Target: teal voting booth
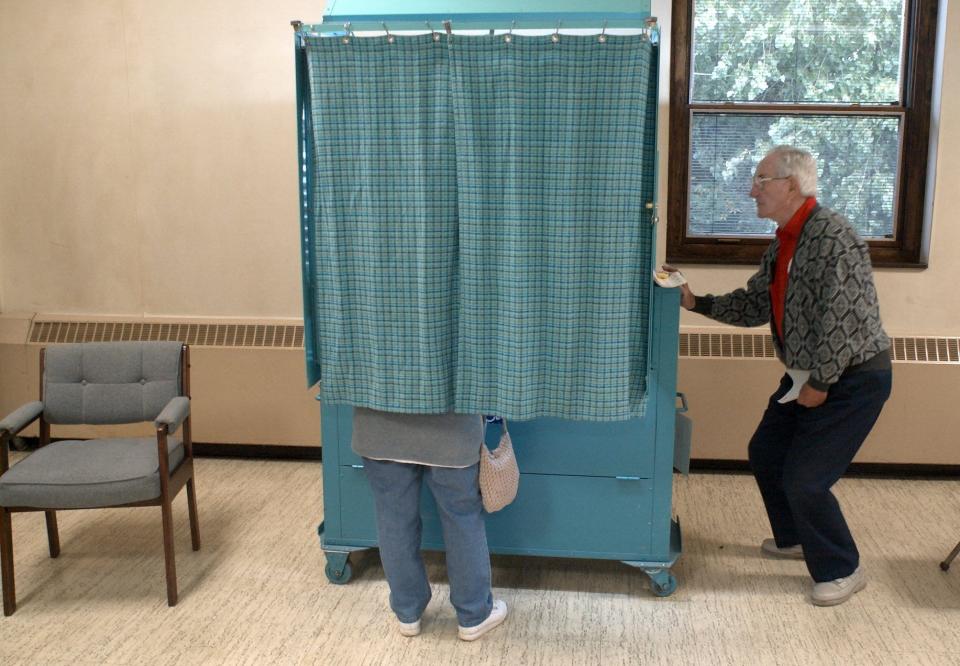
598,487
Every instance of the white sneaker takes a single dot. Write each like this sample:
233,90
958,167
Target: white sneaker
834,592
497,615
770,548
410,628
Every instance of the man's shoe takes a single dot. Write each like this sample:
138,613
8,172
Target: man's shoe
837,591
770,548
410,629
497,615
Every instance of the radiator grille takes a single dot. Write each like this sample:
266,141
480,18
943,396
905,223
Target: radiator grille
749,345
726,345
692,345
199,335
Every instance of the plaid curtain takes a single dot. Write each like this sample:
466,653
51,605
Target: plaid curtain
478,226
384,216
553,172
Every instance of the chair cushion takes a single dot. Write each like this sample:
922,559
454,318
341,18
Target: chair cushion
109,382
73,474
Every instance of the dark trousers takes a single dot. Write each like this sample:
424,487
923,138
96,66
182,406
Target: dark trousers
798,453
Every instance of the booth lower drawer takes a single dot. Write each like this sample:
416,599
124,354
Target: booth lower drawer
564,447
556,515
554,446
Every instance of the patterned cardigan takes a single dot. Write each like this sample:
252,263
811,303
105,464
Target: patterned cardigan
832,317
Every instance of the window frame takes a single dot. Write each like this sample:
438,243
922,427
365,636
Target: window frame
904,250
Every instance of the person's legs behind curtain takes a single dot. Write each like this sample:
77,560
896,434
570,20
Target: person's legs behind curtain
396,492
457,494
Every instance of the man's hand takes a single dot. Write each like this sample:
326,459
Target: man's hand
687,299
811,397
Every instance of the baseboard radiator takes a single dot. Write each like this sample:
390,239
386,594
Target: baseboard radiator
251,336
258,336
728,378
247,378
751,345
249,386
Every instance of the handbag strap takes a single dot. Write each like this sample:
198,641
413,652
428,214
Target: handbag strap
503,426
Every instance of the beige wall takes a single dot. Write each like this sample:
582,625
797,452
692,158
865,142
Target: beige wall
148,157
148,161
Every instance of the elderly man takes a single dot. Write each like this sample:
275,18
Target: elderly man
815,289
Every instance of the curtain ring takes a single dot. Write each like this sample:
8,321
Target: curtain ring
390,38
434,33
349,33
603,33
508,38
555,37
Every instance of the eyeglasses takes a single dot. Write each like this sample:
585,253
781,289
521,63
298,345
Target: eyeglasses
760,181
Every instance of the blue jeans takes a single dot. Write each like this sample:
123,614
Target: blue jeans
798,453
396,493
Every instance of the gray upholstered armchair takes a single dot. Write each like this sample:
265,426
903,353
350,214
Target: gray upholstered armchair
102,383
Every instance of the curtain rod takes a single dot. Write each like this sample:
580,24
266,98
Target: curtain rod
492,21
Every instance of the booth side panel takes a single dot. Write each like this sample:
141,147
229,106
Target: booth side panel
666,313
330,442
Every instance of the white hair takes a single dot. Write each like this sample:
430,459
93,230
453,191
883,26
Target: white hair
798,164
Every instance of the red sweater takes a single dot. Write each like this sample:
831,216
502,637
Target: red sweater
788,236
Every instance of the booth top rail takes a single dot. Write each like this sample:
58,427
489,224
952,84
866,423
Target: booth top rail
527,21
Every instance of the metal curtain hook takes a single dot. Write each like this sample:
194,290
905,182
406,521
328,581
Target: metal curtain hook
390,38
348,31
603,33
436,35
508,38
555,38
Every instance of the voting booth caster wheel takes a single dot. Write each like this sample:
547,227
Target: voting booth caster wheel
666,589
662,583
338,569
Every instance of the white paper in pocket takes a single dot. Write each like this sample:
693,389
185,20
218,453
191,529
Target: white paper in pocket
799,378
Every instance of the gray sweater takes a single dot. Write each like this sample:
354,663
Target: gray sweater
831,319
440,440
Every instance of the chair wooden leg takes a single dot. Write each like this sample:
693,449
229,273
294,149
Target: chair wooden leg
171,567
53,536
6,563
953,553
194,521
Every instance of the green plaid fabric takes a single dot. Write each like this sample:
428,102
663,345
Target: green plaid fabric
384,209
476,215
554,167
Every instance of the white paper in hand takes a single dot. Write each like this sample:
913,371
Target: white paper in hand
669,280
799,378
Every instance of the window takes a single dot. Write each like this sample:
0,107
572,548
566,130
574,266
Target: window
850,81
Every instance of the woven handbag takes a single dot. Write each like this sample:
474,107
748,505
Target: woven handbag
499,474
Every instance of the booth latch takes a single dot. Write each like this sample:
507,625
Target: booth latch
654,209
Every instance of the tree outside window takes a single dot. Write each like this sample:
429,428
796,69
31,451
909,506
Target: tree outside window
850,81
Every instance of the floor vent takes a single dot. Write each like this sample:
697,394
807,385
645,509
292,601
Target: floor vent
749,345
199,335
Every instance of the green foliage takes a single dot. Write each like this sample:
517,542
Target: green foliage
796,52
